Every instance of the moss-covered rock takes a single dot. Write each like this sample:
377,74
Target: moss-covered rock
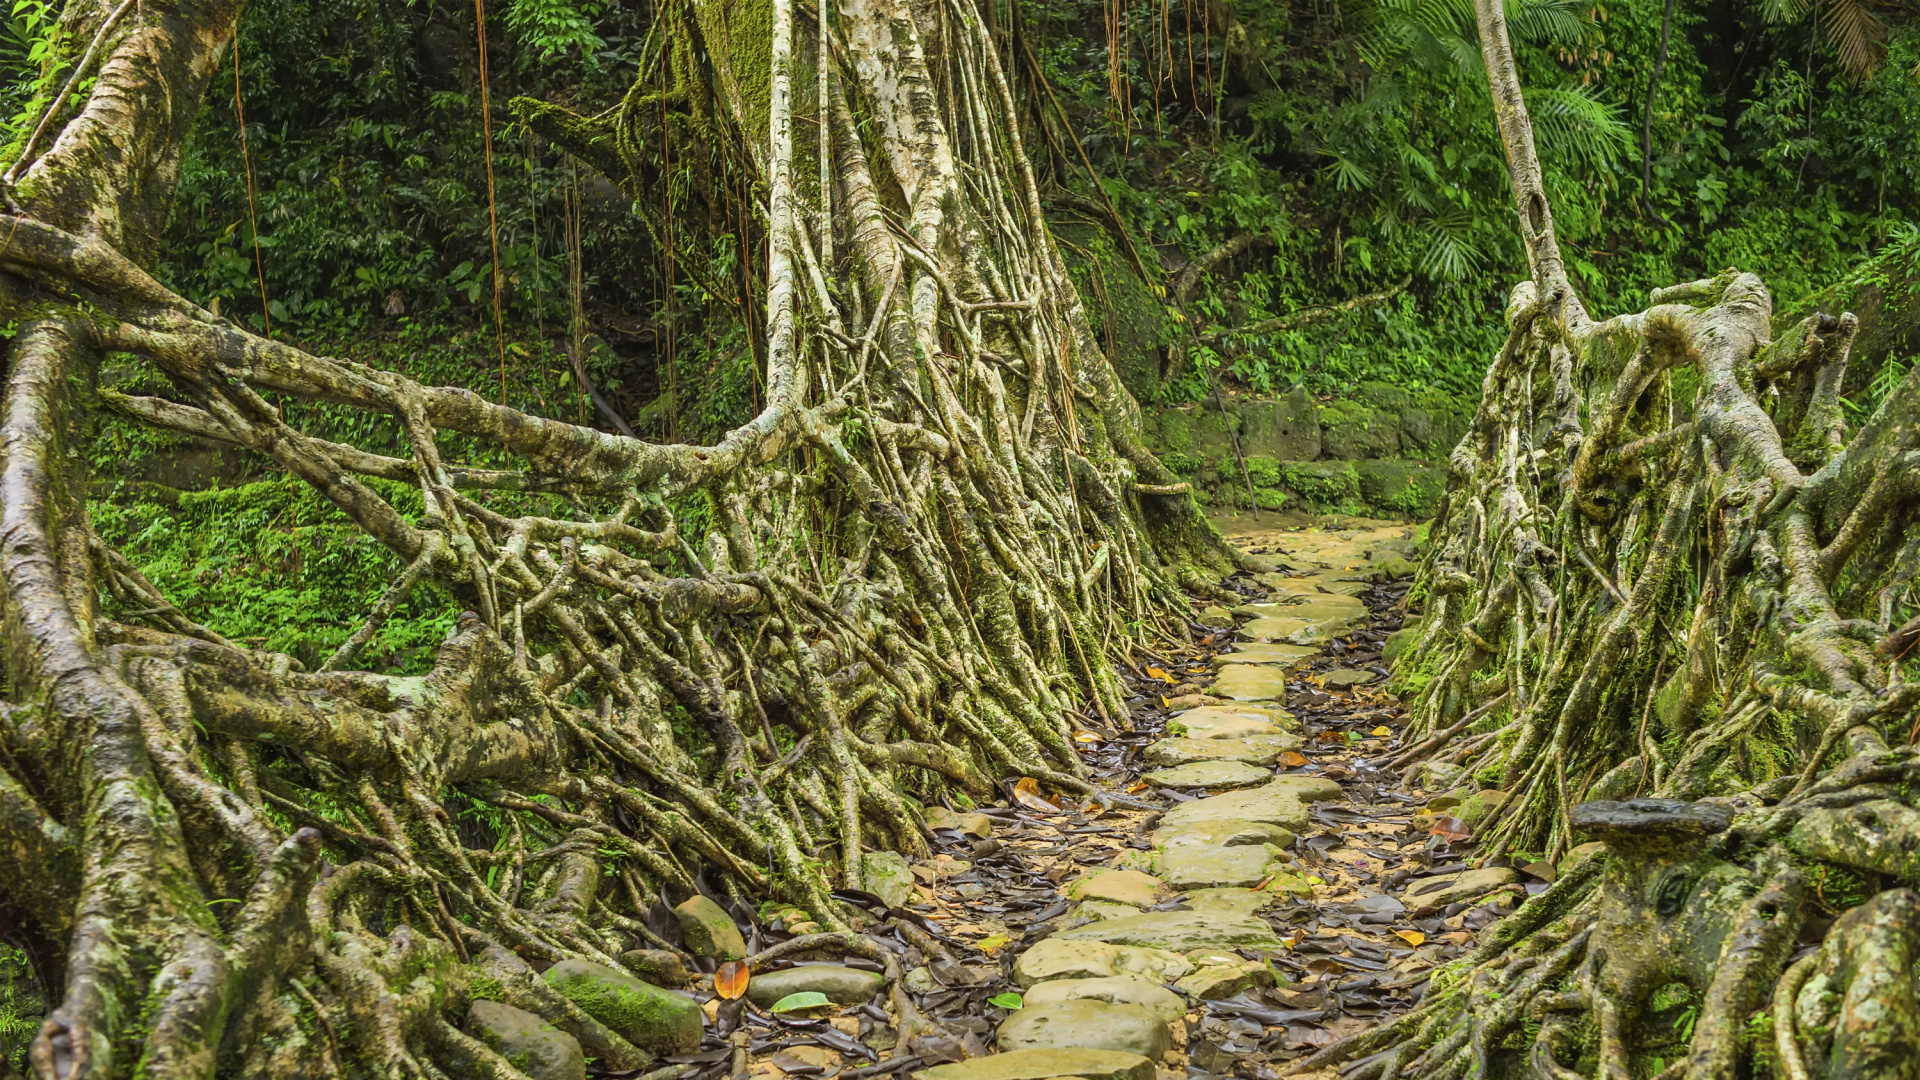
1286,428
645,1015
709,930
1401,487
1324,485
532,1045
1353,431
1129,320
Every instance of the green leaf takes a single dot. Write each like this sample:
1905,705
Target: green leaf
810,999
1008,1000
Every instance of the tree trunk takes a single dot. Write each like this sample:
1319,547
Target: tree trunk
247,868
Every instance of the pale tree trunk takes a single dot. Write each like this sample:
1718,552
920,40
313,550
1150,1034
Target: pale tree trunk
170,802
1664,609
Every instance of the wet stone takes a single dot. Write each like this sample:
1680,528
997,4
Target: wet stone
1281,802
1118,989
1288,629
1085,1023
645,1015
1178,931
1061,958
528,1042
1253,750
1044,1064
1209,774
1250,682
842,985
939,817
1230,833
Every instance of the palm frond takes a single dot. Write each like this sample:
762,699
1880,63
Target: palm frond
1857,35
1450,253
1784,11
1547,22
1578,123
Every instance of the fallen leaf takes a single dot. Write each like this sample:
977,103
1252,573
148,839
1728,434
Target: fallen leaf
991,944
1008,1000
1412,937
805,1003
1383,731
1027,794
1164,703
731,980
1156,673
1083,735
1137,788
1450,829
1292,759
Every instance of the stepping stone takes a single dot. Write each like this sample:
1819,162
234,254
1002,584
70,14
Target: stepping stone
1250,682
1453,888
1081,1023
1231,721
1118,989
1257,653
939,817
1216,982
1240,867
1057,957
1254,750
841,984
1096,910
1044,1064
1296,631
1330,606
1234,901
1215,615
536,1047
1119,887
1347,678
1336,583
1280,802
1178,931
1209,774
1204,834
645,1015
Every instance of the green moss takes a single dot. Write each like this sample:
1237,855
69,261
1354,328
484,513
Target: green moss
646,1015
1263,471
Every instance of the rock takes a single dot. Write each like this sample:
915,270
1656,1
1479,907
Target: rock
1119,989
1095,910
1453,888
1328,607
1258,653
1215,615
1060,958
920,980
1045,1063
887,876
1222,834
1253,749
1347,678
645,1015
1475,808
1239,867
1334,583
1209,774
1085,1023
1400,642
1221,722
939,817
1280,802
709,930
1133,859
1289,629
843,985
1291,885
1377,904
657,966
532,1045
1119,887
1215,982
1236,901
1250,682
1178,931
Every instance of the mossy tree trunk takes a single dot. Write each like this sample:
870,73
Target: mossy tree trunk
1664,610
236,866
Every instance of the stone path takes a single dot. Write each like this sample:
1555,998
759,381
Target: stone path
1253,888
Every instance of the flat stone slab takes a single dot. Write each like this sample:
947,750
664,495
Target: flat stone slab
1179,931
1236,901
1289,629
841,984
1059,957
1218,981
1254,750
1326,606
1282,802
1230,833
1347,678
1119,989
1231,721
1083,1023
1241,867
1119,887
1224,775
1258,653
1095,910
1044,1064
1250,682
1453,888
1336,583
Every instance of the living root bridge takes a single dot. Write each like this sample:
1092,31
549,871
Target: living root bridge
229,861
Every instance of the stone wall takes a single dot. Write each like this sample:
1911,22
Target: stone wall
1382,451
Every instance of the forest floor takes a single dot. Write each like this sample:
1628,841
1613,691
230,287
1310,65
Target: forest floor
1252,882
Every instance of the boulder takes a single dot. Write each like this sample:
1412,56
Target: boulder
887,876
1286,427
1119,989
842,985
1129,887
532,1045
1401,641
709,930
1095,910
1353,431
1209,774
1253,749
1061,958
1044,1064
657,966
643,1014
1086,1023
1289,629
1178,931
1280,802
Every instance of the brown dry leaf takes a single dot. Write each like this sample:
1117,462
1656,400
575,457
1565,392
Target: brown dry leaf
1136,788
1412,937
1450,829
1085,736
1292,759
1027,794
731,980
